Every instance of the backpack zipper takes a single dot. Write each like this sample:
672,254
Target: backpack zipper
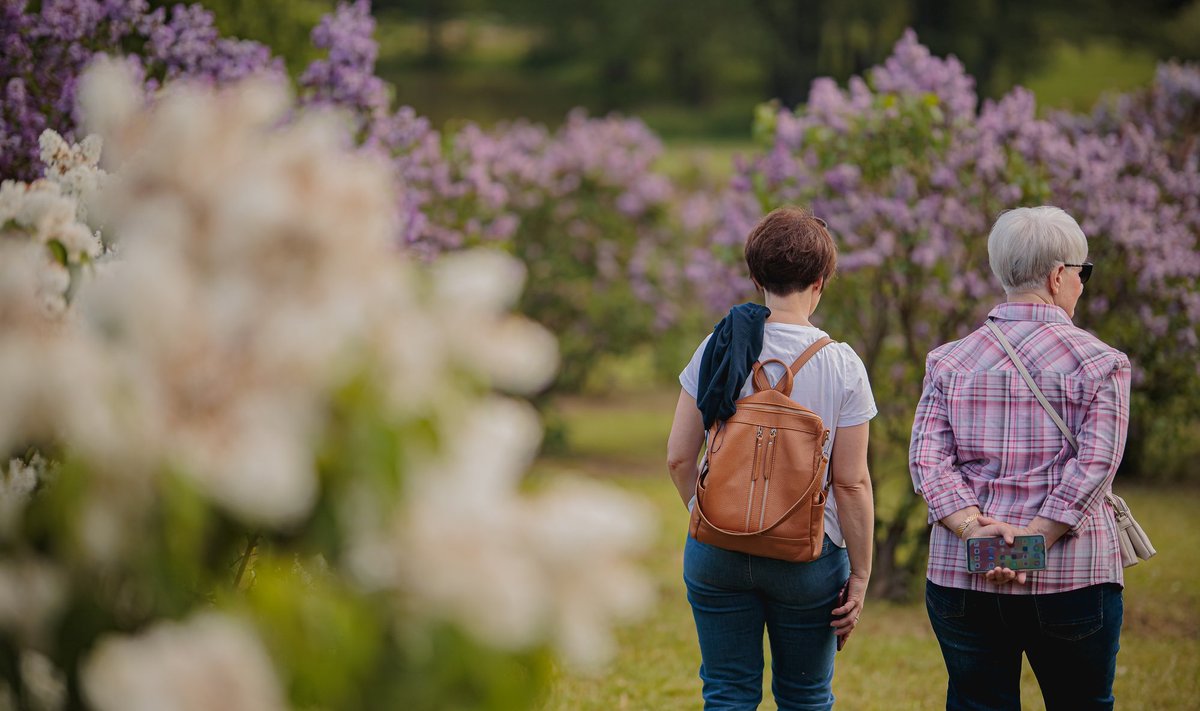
769,457
798,410
753,475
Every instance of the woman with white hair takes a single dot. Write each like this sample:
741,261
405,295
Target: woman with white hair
990,461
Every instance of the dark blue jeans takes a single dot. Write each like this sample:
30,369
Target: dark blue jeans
734,596
1071,640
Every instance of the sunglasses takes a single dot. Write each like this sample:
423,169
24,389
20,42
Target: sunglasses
1085,271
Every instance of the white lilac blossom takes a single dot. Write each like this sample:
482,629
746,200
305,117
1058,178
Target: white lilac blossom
32,593
46,214
267,250
44,684
17,484
73,167
210,662
515,569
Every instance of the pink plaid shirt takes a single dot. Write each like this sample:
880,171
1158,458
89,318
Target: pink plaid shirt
981,438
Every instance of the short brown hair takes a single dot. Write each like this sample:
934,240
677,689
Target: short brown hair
789,250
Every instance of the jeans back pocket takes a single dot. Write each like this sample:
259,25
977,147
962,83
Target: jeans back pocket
1071,615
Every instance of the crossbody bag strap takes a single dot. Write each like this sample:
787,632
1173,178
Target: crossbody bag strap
1058,420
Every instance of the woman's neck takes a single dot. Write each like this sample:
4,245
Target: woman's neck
1030,297
794,308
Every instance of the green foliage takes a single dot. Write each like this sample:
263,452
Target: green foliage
282,25
591,315
1075,76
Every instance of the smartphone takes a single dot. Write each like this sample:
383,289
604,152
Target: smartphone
1025,553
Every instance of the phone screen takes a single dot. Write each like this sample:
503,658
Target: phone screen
1026,553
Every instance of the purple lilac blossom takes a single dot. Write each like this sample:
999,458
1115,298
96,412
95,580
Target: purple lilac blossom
45,47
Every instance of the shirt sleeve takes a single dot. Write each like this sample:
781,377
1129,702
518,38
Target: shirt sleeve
932,456
858,402
690,377
1101,440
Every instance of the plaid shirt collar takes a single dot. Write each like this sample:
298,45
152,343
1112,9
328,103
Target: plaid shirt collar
1013,311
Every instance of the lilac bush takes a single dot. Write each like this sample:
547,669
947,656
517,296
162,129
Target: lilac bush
45,48
581,205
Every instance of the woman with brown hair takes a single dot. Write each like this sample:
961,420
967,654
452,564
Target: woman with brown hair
735,596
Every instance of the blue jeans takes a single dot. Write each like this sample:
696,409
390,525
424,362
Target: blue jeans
1071,640
734,595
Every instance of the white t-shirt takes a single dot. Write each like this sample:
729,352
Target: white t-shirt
832,384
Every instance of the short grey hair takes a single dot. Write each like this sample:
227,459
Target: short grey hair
1027,243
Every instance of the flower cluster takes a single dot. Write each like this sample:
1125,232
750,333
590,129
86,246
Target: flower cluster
211,661
43,222
47,46
258,317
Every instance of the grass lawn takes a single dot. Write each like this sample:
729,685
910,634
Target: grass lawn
893,661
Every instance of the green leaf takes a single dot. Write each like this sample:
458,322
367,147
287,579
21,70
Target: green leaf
58,251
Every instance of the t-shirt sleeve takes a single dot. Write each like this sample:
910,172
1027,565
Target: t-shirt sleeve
690,377
858,403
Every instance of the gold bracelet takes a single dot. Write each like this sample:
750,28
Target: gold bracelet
962,527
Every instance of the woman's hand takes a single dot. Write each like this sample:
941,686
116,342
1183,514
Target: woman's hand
989,527
846,616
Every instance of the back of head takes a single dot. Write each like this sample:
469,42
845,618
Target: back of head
1027,243
789,250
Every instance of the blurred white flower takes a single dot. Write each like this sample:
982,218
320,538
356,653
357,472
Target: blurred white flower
45,374
474,290
17,484
108,100
73,167
254,257
45,214
45,684
31,594
518,569
211,662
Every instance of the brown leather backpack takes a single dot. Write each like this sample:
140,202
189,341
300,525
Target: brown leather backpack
761,489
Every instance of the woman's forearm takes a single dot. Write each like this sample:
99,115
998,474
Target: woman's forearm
683,475
683,446
962,522
856,513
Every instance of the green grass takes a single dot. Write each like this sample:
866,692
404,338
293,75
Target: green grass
893,661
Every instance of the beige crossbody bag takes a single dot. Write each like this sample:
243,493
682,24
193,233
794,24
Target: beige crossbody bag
1135,544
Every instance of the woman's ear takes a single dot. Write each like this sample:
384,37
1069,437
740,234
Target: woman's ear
1055,280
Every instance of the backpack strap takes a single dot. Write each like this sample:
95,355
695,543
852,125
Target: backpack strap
809,353
785,381
807,356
